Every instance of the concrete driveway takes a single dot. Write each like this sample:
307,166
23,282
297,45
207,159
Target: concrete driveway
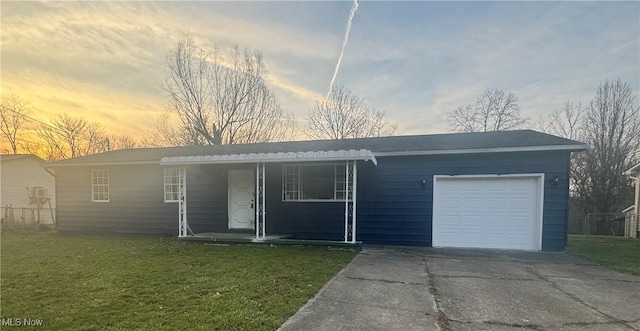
452,289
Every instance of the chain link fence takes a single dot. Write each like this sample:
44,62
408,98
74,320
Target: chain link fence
12,216
603,224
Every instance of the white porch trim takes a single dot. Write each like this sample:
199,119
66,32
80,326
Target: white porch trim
353,202
183,225
351,181
350,157
634,169
260,220
331,155
346,202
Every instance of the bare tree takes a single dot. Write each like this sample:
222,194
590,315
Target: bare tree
564,122
611,128
68,136
169,131
122,141
343,115
223,100
14,113
494,110
567,122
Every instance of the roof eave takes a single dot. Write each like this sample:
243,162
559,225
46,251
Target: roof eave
100,164
310,156
371,156
634,170
569,148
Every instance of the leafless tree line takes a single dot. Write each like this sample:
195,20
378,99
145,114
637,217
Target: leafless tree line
610,126
67,136
13,117
494,110
343,115
213,98
222,100
64,137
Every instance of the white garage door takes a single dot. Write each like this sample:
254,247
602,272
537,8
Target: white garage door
487,212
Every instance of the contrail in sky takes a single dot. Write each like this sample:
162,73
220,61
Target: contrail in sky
611,51
344,44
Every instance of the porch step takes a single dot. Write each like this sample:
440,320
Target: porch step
274,241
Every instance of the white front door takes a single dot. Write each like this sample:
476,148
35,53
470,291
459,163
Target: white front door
241,199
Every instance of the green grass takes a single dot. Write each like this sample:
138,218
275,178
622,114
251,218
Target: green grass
125,283
622,254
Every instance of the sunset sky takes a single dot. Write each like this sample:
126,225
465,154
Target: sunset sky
415,60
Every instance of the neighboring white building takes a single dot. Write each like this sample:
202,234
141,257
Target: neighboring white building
18,172
632,219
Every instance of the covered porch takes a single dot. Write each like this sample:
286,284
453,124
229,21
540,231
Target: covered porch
241,238
276,198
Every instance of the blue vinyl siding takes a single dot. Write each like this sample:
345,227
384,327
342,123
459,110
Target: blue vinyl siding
136,202
395,209
302,219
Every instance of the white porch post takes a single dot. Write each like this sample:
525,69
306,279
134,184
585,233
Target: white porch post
263,206
636,228
346,201
260,220
183,226
256,197
353,203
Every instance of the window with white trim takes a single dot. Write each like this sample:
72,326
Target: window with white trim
171,184
100,185
314,182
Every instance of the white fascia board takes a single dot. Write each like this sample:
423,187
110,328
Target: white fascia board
340,155
488,150
482,176
634,170
100,164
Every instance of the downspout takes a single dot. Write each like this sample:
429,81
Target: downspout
49,171
636,203
54,217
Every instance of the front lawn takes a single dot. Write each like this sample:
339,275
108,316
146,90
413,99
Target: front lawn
622,254
126,283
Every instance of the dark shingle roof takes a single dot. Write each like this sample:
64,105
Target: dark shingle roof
417,143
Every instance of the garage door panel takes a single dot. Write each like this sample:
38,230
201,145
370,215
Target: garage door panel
471,203
495,202
495,186
471,238
470,221
519,221
494,222
451,202
450,237
486,212
468,186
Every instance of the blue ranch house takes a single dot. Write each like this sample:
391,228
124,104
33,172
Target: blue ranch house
501,190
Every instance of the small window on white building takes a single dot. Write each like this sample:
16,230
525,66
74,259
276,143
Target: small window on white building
171,184
100,185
